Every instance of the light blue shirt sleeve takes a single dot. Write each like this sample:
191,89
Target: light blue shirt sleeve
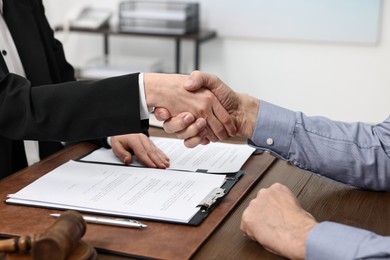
334,241
353,153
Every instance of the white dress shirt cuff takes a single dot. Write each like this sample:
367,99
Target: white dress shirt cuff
144,109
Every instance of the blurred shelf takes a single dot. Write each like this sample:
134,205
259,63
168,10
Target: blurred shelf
197,37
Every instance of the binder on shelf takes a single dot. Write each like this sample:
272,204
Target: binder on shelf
175,18
112,66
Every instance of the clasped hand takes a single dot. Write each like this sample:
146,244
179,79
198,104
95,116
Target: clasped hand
167,93
214,111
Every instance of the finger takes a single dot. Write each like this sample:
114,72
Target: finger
198,79
205,141
250,237
161,114
178,123
197,128
165,162
216,109
211,135
244,226
225,119
143,157
123,154
157,156
196,140
147,154
160,159
151,155
215,130
270,250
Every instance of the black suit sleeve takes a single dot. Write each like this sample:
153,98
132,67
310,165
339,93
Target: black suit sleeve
49,105
71,111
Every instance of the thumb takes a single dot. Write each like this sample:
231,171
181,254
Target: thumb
196,80
126,158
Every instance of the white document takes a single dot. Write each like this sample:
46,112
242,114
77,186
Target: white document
214,157
125,191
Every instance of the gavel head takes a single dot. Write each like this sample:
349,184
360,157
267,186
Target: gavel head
61,238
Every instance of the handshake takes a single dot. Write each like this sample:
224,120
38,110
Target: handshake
200,108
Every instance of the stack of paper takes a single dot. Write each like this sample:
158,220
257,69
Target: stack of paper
100,183
212,158
123,191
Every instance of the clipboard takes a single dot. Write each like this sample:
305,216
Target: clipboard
207,204
213,199
159,241
139,193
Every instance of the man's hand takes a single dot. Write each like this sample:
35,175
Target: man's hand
184,125
146,151
241,108
276,220
167,91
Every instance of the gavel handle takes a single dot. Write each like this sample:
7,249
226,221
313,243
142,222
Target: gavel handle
59,239
22,244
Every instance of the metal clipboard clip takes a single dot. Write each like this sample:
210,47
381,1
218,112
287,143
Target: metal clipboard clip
211,198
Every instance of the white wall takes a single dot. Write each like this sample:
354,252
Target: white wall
348,82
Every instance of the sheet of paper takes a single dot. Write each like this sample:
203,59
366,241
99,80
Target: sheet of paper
214,157
118,190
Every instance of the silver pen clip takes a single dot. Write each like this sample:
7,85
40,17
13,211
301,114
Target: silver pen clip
129,220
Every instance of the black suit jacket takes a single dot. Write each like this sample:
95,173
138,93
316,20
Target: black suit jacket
49,105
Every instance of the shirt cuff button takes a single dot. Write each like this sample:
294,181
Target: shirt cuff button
270,141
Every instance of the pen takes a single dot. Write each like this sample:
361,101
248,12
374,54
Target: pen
122,222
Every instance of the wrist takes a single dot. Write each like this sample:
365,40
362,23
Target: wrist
246,115
151,89
298,249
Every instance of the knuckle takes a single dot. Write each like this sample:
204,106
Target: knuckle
209,97
261,192
226,119
277,185
203,112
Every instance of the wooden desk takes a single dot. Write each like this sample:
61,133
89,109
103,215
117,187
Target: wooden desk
324,198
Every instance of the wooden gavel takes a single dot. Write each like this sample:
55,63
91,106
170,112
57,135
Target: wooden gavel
62,240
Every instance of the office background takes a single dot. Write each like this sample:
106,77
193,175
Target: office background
340,75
